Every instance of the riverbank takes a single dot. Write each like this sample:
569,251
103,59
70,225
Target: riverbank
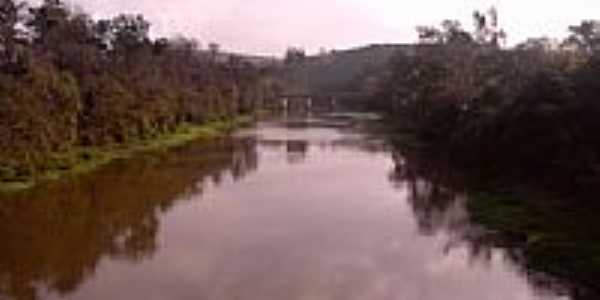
552,235
85,159
549,229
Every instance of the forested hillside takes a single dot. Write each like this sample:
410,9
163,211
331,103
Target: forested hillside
68,81
339,71
527,111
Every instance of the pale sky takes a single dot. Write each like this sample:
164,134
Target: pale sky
270,26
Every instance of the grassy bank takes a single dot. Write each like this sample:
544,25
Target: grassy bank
555,238
85,159
553,229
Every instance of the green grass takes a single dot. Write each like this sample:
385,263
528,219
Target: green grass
85,159
556,238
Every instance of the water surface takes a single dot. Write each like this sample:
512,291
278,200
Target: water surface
291,209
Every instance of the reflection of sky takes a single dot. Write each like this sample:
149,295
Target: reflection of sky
332,227
269,26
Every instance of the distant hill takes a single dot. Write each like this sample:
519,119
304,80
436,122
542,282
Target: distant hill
349,76
342,70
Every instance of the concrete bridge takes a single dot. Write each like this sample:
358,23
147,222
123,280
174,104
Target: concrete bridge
306,102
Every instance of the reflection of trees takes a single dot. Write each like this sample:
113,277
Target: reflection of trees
53,237
436,206
438,198
244,158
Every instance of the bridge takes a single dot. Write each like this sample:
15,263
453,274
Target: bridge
305,102
321,102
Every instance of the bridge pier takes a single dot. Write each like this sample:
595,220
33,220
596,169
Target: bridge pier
306,103
302,103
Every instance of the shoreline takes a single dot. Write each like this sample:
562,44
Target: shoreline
524,216
82,160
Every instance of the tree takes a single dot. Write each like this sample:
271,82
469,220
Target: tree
294,55
9,34
94,82
129,32
43,19
453,33
450,32
585,36
487,28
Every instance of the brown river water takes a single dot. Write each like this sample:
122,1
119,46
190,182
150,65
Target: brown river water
291,209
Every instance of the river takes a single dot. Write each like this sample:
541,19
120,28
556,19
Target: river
291,209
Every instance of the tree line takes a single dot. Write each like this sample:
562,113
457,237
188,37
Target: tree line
530,111
68,80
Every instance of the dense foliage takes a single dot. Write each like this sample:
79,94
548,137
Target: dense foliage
530,110
511,133
67,80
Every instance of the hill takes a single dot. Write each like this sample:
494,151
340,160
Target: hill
345,70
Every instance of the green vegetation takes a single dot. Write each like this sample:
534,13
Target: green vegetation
76,92
524,112
520,127
83,159
554,237
347,75
343,71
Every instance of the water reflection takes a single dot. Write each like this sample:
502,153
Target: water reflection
296,150
438,199
54,237
318,220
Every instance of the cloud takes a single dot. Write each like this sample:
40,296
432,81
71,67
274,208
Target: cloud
270,26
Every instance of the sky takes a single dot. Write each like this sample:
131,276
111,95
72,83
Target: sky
269,27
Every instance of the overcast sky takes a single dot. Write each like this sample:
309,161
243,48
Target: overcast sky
270,26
